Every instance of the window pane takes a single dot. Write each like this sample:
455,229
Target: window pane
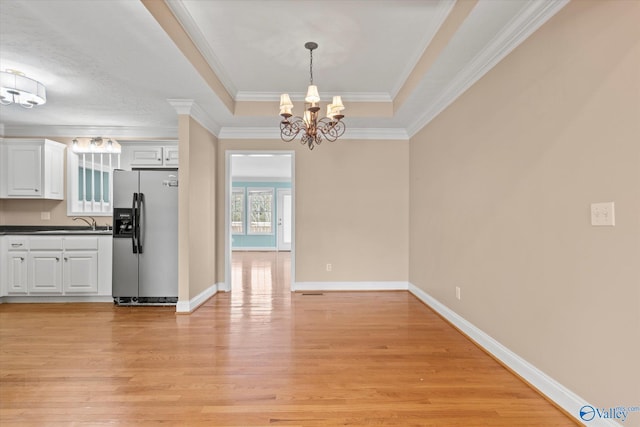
237,211
91,187
261,211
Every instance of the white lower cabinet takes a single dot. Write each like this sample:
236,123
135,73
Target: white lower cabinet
56,266
16,279
45,272
80,272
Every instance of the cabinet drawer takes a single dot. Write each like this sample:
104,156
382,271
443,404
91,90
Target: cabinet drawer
81,243
45,243
17,243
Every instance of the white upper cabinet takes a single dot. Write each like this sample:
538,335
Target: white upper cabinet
31,169
149,154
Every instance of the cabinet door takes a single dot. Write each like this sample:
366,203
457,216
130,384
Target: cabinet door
24,167
45,272
171,156
80,271
16,272
146,156
54,172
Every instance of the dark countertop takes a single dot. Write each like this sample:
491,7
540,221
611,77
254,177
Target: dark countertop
49,230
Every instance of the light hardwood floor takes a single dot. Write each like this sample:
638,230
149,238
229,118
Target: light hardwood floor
257,356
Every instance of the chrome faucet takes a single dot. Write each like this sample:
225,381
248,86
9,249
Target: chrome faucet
91,224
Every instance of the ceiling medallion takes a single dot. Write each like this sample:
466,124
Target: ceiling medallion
314,130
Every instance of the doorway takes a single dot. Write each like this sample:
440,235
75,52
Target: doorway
259,211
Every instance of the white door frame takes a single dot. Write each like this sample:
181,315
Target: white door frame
227,212
280,244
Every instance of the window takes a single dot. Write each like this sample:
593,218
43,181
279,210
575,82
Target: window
260,210
237,211
90,182
93,185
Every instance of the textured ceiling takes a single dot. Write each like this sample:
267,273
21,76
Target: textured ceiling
109,65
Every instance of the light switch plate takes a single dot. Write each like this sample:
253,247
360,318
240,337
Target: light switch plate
603,214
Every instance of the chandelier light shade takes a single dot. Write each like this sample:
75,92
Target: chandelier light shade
16,88
313,128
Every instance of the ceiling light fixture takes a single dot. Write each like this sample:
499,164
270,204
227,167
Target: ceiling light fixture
16,88
330,127
96,145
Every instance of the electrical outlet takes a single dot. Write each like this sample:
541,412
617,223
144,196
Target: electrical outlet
458,292
329,267
45,216
603,214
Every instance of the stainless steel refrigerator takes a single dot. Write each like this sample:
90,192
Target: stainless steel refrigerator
145,237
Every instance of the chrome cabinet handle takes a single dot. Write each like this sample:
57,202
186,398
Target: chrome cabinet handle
21,259
16,245
57,259
66,259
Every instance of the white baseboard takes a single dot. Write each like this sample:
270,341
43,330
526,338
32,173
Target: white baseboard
197,301
37,299
556,392
350,286
224,287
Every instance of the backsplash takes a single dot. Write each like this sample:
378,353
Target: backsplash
30,212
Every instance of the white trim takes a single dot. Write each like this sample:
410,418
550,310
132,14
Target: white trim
191,108
200,41
247,96
197,301
223,287
35,299
350,286
440,15
525,23
91,131
273,132
556,392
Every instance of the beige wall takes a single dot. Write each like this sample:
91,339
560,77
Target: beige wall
351,208
501,186
197,207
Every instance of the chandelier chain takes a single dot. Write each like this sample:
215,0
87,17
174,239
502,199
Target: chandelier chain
311,65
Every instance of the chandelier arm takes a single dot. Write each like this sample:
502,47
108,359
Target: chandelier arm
289,129
332,130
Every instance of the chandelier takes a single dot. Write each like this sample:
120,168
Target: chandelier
16,88
314,130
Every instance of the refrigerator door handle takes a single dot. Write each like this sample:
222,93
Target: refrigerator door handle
134,222
141,212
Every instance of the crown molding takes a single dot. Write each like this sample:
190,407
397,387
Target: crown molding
274,133
199,40
299,96
190,108
443,10
519,29
90,131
